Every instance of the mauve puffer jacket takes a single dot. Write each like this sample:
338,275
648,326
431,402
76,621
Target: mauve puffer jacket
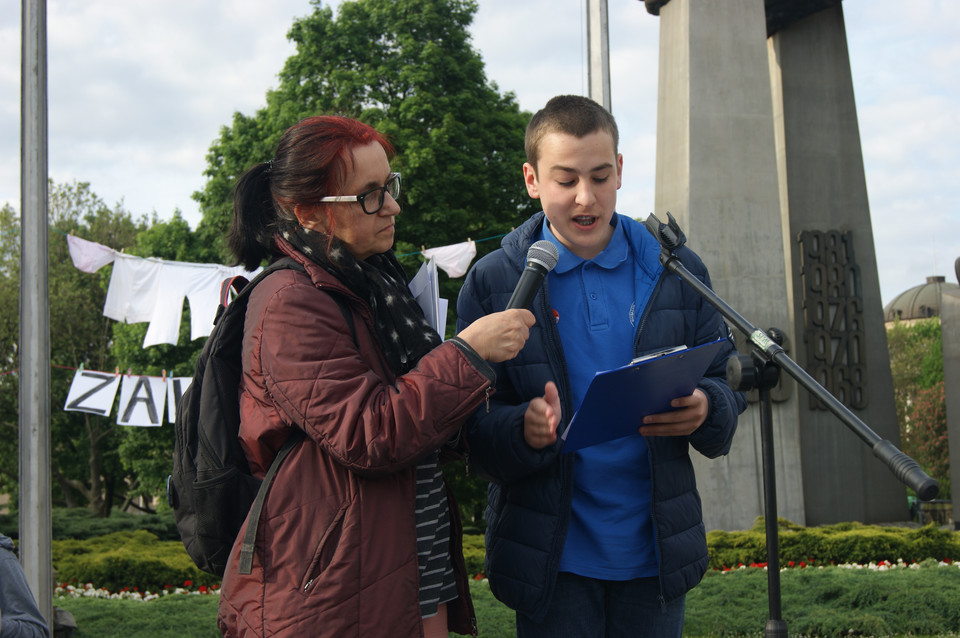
336,550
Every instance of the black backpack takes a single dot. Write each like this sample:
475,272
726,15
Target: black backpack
211,489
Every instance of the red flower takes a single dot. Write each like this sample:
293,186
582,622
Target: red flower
188,583
479,576
203,589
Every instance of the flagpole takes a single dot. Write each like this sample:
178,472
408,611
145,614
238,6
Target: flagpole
34,346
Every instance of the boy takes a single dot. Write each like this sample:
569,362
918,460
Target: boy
605,541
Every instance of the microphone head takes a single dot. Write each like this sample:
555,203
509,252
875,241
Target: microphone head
543,253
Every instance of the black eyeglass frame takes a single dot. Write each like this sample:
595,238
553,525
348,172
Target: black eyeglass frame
388,187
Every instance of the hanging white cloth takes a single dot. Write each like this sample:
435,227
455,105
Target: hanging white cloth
153,290
89,256
132,294
453,259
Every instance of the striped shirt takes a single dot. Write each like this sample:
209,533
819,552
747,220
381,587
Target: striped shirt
437,583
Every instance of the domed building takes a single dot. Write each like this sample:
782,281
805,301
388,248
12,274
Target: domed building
919,302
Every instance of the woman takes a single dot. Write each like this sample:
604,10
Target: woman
359,535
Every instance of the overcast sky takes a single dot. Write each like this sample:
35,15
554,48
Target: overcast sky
138,90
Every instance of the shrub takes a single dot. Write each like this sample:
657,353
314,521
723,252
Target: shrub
840,543
138,559
135,560
473,553
80,523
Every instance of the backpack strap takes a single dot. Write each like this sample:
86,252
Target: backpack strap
233,283
253,519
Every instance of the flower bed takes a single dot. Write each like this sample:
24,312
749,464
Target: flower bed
88,590
883,565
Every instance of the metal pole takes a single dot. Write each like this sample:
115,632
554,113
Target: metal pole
34,349
598,53
776,627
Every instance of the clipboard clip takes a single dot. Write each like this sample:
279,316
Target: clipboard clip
658,353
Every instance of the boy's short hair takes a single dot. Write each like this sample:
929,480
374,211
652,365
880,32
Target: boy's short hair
571,114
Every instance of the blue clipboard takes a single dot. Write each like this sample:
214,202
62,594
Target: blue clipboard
617,400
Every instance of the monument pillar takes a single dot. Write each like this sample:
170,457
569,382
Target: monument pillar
717,174
759,158
838,316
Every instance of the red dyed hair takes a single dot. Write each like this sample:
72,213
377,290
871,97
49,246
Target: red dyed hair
312,161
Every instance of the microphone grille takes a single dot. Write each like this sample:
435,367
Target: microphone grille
544,253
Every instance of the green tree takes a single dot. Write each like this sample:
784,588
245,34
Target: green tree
928,441
407,68
9,339
916,364
86,468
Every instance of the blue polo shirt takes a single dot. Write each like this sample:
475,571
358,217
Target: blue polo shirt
597,304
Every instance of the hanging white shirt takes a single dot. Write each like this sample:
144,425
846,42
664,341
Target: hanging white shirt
453,259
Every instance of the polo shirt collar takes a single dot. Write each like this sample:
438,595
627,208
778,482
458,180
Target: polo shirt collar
615,253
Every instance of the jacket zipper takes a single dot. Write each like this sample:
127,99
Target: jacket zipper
646,314
653,516
656,535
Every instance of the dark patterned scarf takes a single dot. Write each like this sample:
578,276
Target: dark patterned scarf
403,332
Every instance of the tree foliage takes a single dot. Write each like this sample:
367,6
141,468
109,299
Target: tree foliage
9,340
916,364
85,464
928,439
407,68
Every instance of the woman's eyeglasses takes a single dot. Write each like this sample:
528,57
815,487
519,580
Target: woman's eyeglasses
371,201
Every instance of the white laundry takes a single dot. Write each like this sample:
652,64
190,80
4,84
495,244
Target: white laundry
453,259
153,290
89,256
132,294
200,284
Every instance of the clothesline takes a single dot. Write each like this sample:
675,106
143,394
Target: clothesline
152,290
476,241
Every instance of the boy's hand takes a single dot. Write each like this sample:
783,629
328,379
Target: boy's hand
690,414
542,417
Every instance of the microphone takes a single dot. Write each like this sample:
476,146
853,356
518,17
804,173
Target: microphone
541,259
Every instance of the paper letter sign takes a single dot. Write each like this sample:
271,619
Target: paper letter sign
176,386
141,401
92,392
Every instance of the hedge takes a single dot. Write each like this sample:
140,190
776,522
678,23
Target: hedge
127,560
80,522
139,559
833,544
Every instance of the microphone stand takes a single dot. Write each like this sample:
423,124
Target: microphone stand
761,370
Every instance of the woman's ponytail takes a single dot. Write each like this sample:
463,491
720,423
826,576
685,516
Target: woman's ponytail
254,218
